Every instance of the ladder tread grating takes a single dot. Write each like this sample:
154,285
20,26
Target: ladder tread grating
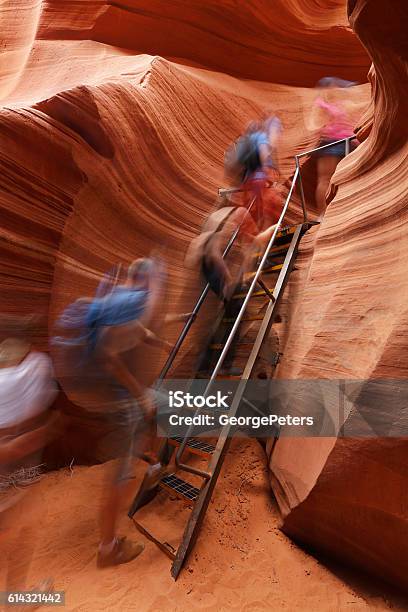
268,270
183,488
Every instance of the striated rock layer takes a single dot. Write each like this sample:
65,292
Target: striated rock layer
108,152
347,307
293,42
126,164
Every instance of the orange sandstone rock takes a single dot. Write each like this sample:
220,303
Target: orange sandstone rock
293,42
107,152
347,308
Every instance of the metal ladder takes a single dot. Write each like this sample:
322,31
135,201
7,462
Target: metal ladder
283,242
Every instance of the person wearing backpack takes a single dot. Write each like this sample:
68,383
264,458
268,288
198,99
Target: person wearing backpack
96,372
250,164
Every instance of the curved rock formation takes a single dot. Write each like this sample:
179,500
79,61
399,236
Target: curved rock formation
123,164
107,152
347,496
295,42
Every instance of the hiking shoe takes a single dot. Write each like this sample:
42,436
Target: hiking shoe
123,551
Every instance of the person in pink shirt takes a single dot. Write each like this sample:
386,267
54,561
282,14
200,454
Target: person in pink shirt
337,126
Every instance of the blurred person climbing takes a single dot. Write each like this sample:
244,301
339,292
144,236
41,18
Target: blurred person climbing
251,164
336,124
206,252
27,389
97,373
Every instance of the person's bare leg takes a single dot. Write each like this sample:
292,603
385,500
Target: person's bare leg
110,511
114,550
258,246
264,237
326,167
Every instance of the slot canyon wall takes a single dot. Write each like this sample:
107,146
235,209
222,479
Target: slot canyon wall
348,496
114,121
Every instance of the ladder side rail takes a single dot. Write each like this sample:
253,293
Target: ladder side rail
183,466
201,504
199,303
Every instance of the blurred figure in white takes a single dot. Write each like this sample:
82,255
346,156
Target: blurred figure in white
27,389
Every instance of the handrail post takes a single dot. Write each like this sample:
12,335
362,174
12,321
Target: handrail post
347,147
302,193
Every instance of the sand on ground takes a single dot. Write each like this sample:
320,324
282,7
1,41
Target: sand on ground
241,562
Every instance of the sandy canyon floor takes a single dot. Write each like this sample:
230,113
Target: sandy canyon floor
242,560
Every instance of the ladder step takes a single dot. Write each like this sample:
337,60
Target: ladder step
250,318
270,269
228,377
196,446
282,248
285,233
183,489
